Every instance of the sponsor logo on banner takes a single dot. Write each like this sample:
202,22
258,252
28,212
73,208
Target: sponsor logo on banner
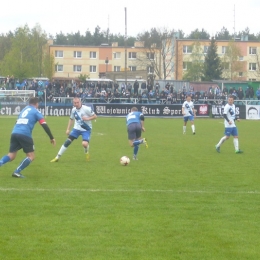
253,112
203,110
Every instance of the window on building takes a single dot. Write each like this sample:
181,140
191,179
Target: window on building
252,66
241,58
150,55
117,55
92,68
77,54
132,68
206,48
117,68
58,68
58,54
225,65
93,55
132,55
240,74
224,49
186,65
77,68
252,50
150,69
252,79
187,49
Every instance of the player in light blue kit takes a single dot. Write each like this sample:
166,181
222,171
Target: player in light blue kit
82,115
189,113
21,136
135,126
230,126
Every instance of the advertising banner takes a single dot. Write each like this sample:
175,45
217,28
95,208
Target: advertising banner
217,111
147,110
106,109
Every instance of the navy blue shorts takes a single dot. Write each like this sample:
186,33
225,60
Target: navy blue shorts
18,142
134,131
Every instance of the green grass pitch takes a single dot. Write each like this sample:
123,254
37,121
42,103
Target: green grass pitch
180,200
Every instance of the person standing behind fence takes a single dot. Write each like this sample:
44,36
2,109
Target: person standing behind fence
136,87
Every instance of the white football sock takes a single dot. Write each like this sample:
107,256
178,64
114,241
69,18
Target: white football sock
222,140
235,141
193,128
184,128
86,149
61,151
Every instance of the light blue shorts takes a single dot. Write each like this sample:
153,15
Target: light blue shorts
85,134
186,118
231,131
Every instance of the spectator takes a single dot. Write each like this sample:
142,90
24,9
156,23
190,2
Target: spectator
143,86
240,93
251,92
136,87
157,86
149,86
129,87
247,93
258,93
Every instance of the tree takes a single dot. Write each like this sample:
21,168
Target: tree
223,35
25,56
199,35
212,63
83,77
158,55
196,63
230,63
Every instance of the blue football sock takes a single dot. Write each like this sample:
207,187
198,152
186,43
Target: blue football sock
24,163
136,148
4,160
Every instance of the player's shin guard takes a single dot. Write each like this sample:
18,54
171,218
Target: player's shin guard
236,145
136,148
24,163
4,159
222,140
63,148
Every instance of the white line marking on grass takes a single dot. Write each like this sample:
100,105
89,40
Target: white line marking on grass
130,191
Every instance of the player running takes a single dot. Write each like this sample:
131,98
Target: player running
135,126
21,136
82,116
230,126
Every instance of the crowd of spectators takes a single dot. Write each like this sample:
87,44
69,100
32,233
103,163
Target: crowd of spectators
112,92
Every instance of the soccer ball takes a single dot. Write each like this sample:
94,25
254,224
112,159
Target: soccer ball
124,160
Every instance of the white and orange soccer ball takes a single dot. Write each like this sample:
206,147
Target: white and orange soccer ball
124,160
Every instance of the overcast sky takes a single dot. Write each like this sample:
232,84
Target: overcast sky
56,16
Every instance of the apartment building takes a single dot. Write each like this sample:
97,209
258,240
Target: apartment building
97,61
171,62
242,66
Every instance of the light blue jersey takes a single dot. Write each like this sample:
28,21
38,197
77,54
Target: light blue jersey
133,117
28,117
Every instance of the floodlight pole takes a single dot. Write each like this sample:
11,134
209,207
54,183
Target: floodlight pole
125,47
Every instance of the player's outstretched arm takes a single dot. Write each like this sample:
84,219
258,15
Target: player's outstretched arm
48,132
